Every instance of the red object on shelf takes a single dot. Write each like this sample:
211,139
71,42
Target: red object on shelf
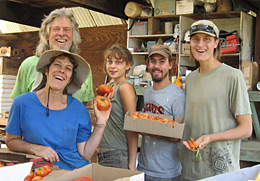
231,45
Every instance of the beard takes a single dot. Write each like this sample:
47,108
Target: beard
159,79
65,46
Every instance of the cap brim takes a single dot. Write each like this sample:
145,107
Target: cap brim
158,52
211,34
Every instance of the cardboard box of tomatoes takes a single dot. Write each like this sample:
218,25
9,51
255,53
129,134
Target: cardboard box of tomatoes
157,124
8,157
97,172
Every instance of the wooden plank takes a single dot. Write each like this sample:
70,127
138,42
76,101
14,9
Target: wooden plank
250,151
20,13
254,96
256,125
3,122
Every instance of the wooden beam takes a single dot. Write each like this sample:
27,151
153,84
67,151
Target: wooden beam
114,8
20,13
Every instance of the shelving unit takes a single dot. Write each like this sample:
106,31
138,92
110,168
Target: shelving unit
228,21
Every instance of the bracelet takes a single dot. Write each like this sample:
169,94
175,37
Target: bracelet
100,124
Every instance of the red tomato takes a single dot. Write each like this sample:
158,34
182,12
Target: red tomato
27,178
144,116
83,179
136,113
1,164
37,178
31,174
152,118
41,171
103,103
104,89
48,168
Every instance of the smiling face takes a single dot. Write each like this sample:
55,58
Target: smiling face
61,34
59,73
203,46
159,67
116,67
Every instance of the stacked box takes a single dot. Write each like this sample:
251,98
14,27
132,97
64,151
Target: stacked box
9,65
7,83
164,7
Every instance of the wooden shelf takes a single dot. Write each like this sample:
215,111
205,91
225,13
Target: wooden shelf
214,15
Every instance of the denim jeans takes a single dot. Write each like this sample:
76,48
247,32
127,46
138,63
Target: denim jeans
114,158
149,178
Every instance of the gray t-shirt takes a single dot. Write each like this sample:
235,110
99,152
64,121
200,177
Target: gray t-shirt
213,100
159,158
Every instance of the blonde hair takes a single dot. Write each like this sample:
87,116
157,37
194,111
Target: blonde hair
45,31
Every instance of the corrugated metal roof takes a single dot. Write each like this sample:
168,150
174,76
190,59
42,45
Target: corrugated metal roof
85,18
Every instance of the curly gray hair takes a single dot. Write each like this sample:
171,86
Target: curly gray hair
45,31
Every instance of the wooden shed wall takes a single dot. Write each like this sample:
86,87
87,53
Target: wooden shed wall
94,41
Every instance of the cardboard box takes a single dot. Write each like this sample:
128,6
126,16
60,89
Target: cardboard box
10,158
9,66
15,172
100,173
250,70
11,52
244,174
164,7
184,7
185,49
140,28
155,127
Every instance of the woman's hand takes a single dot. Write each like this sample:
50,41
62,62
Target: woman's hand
46,153
102,116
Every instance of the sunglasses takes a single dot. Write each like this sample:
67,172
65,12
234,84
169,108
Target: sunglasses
205,28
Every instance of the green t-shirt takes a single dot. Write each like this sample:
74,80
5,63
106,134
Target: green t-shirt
27,74
213,100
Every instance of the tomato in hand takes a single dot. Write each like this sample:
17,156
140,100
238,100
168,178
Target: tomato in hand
104,89
103,103
41,171
83,179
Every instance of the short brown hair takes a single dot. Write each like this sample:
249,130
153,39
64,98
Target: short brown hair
118,51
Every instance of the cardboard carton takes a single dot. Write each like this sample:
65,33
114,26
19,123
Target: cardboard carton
184,7
244,174
11,52
15,172
10,158
100,173
9,66
164,7
186,48
155,127
250,70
